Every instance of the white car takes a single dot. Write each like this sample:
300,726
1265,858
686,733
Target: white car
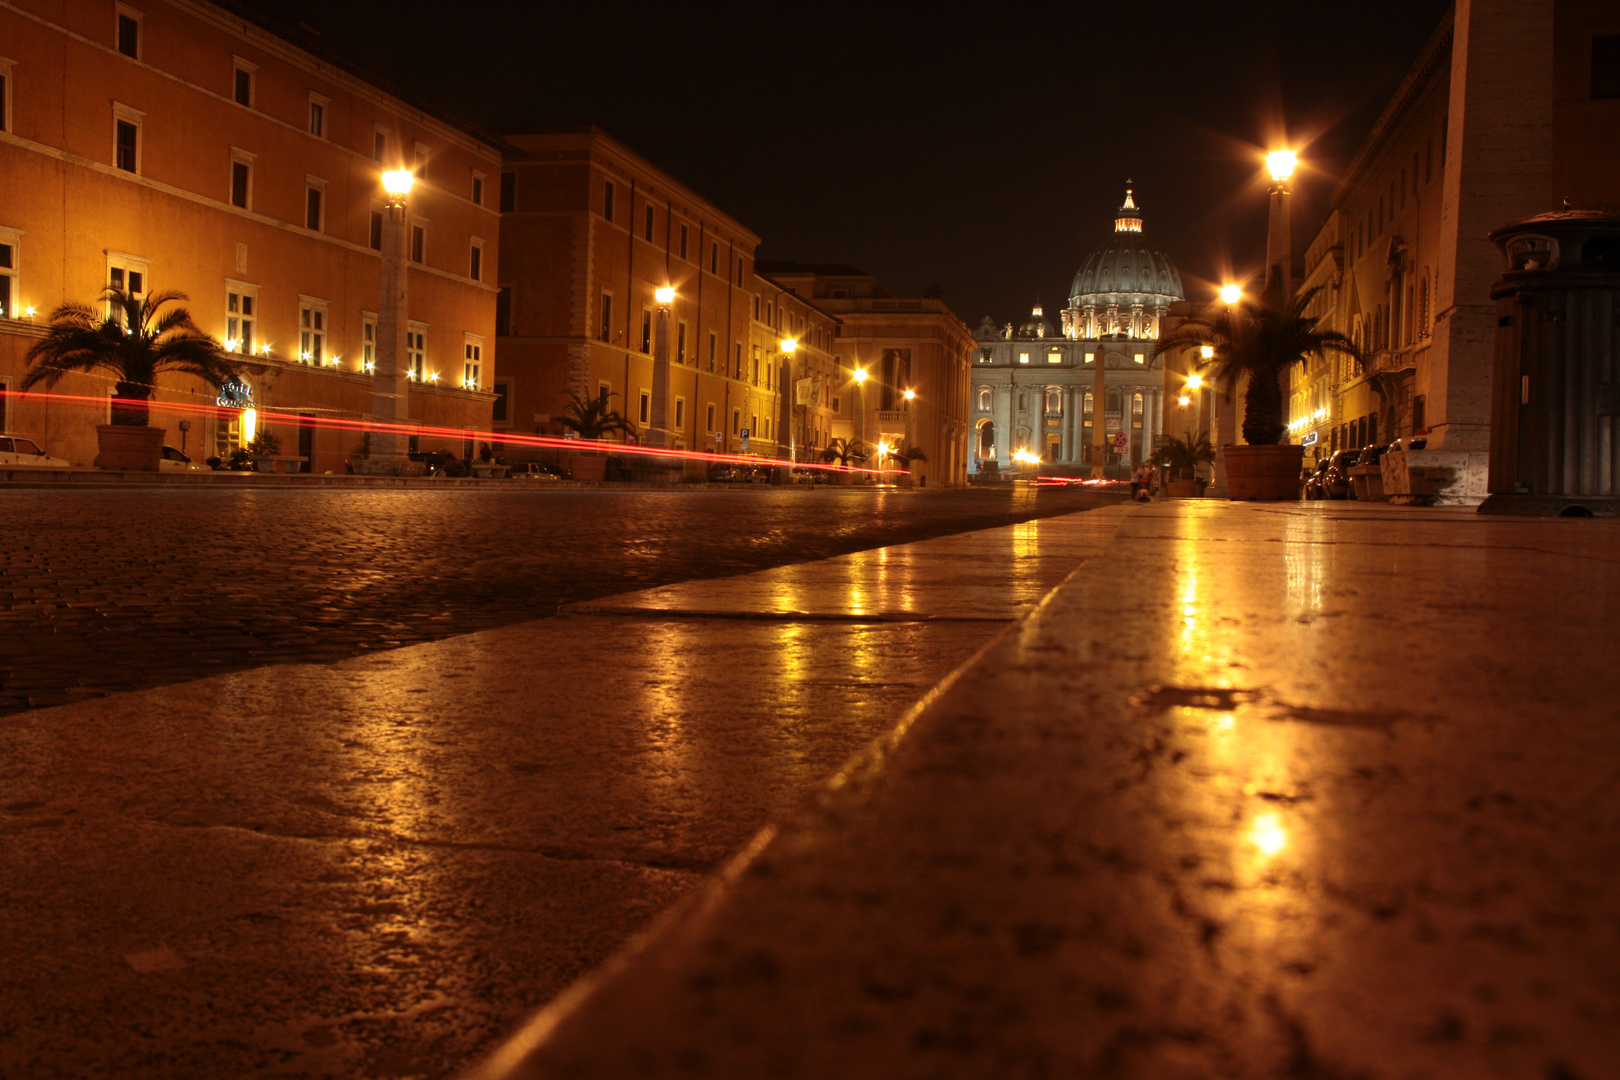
21,450
176,461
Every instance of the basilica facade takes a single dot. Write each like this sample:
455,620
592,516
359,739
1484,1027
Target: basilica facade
1035,387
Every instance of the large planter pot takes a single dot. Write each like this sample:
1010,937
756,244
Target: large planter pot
124,446
1263,472
1184,489
588,465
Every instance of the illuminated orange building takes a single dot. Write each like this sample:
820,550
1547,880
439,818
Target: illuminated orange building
198,147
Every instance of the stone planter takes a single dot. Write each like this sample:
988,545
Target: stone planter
489,472
587,465
1263,472
1369,482
1184,489
124,446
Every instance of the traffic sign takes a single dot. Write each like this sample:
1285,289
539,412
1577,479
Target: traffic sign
1120,439
745,434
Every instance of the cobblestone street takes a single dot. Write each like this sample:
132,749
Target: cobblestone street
109,590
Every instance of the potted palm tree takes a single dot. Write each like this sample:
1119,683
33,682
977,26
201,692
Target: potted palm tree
844,451
1261,339
136,341
903,455
1182,458
590,418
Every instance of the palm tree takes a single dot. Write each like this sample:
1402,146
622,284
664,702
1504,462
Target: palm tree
844,451
591,417
136,341
1182,456
1261,339
905,455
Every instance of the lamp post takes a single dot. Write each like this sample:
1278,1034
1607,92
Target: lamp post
1225,414
786,451
390,382
1280,234
909,395
860,405
658,422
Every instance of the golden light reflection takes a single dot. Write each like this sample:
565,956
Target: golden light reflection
1267,834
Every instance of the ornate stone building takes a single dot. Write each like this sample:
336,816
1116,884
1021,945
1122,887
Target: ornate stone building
1034,388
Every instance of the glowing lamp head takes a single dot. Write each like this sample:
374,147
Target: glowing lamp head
789,345
1281,164
232,345
860,374
665,295
1231,294
28,311
397,182
1194,382
910,395
884,448
1184,401
1207,352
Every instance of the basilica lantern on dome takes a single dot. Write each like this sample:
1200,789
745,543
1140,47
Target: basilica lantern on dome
1125,287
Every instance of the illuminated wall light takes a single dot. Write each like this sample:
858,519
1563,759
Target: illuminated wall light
28,312
250,424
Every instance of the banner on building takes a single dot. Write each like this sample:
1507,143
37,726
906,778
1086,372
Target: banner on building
807,392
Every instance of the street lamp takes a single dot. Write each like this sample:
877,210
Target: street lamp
390,392
860,403
784,417
658,422
1231,294
1280,236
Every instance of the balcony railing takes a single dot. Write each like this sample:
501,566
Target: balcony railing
890,416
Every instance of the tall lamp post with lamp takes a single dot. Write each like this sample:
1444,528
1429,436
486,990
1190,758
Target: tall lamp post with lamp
658,433
787,447
390,379
1280,230
860,405
1226,404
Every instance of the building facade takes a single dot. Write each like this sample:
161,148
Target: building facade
1509,110
1035,387
198,147
590,231
900,344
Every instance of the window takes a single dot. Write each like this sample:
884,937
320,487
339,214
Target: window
311,331
241,179
5,93
500,414
683,241
379,144
1023,358
241,317
317,115
714,258
416,351
1606,66
1054,400
472,361
475,260
508,192
739,271
368,342
314,203
984,399
680,344
736,421
738,374
648,229
420,159
374,232
708,418
607,200
242,81
126,272
129,32
644,413
714,347
127,138
478,189
606,333
10,291
1140,358
1054,357
418,243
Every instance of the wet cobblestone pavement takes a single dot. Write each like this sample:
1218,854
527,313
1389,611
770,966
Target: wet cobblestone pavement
109,590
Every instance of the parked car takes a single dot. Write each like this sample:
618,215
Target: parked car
1314,488
1370,455
1336,481
530,470
22,450
739,474
173,460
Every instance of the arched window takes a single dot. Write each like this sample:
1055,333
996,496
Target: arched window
1112,401
1023,401
984,399
1088,407
1136,404
1054,400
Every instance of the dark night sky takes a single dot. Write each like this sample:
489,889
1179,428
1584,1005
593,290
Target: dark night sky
983,153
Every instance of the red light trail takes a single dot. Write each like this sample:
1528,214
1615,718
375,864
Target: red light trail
271,414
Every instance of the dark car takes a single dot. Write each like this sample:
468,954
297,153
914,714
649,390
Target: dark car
1313,482
1336,481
